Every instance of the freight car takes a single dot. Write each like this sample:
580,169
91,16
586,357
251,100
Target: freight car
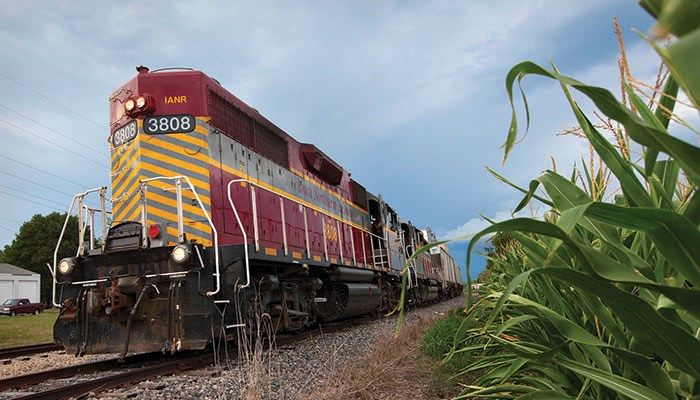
216,213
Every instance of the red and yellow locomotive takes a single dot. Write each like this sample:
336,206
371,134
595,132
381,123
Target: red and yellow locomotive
215,212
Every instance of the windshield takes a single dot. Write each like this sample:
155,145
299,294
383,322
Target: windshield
10,302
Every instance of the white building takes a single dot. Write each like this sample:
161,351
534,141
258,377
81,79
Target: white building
18,283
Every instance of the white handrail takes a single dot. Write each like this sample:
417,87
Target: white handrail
215,234
142,189
80,197
254,185
245,236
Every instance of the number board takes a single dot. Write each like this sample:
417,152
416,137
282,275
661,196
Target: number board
162,124
124,134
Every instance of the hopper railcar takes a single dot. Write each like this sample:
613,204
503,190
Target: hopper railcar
217,212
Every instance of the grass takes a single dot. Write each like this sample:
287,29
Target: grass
440,338
395,369
24,330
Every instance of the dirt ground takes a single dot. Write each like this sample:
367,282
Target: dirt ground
395,369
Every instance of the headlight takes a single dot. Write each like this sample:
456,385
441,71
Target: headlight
180,254
66,266
129,105
140,102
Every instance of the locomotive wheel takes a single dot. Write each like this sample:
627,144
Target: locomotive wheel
387,302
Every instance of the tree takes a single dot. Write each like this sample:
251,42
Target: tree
35,243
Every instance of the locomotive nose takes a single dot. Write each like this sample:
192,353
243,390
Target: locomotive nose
137,300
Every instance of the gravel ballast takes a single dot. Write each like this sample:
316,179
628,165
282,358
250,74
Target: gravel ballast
45,361
287,372
294,369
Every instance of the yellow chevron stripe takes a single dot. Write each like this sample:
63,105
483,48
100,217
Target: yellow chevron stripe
173,203
129,148
172,231
124,206
129,202
119,186
172,217
122,168
128,159
162,171
177,162
184,137
158,186
200,129
123,149
126,147
200,155
117,211
132,190
135,215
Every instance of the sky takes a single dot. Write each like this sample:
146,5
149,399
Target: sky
408,96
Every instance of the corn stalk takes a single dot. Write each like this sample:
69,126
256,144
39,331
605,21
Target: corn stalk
600,300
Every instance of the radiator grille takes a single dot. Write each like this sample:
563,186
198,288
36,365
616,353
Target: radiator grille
245,130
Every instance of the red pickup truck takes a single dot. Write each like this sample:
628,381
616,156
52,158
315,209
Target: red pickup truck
13,307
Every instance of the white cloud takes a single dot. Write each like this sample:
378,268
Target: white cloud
475,225
396,82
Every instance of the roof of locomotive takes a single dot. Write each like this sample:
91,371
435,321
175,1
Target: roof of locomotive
168,82
194,82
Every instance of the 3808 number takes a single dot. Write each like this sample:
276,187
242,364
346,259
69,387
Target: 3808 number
156,125
124,134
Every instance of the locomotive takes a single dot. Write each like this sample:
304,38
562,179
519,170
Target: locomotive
218,214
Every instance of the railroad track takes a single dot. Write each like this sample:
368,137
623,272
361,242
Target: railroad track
136,373
29,350
27,380
126,378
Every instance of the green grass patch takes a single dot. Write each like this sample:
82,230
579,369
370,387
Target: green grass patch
24,330
440,338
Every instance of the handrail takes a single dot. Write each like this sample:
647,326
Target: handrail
90,215
178,180
80,197
245,235
142,189
249,182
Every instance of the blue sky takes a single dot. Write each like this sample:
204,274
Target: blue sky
408,96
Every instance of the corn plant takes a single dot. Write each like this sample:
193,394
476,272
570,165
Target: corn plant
600,299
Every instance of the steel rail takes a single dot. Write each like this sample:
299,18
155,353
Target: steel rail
137,375
132,377
29,350
66,372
